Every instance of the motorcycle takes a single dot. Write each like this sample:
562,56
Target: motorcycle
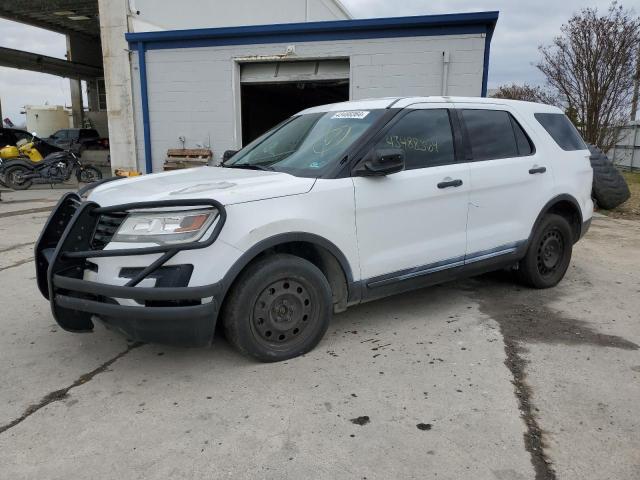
21,173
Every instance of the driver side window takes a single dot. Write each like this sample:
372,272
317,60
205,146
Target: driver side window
424,135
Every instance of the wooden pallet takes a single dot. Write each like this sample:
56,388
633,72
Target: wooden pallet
178,158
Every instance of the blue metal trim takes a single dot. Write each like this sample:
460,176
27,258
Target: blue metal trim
142,64
451,24
487,49
315,37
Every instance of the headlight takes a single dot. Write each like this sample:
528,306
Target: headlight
165,227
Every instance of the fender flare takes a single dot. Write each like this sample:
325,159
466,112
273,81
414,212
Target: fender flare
18,162
279,239
559,198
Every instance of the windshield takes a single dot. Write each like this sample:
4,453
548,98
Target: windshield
306,145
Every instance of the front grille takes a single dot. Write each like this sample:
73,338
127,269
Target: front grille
106,228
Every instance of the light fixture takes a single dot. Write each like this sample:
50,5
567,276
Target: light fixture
64,13
79,17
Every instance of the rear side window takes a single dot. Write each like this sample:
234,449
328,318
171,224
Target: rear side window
525,147
495,134
425,136
561,130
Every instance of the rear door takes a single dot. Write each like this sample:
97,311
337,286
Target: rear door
572,170
510,181
414,222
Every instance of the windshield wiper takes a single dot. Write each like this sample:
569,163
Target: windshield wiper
249,166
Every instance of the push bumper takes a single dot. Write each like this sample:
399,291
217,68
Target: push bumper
177,315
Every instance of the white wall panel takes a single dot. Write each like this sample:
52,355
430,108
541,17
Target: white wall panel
193,91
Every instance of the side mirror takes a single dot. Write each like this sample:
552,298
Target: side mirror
228,154
384,161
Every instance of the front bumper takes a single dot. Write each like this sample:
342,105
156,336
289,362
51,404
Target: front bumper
178,315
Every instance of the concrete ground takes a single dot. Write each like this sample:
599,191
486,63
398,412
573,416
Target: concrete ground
480,379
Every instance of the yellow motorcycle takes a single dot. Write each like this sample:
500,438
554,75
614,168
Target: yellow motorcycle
23,149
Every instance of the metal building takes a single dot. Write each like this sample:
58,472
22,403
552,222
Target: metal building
222,87
215,74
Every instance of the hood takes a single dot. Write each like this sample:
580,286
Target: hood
226,185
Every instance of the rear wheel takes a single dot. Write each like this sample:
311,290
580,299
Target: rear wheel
89,175
15,178
549,253
279,308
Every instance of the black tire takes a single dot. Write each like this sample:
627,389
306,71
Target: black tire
609,186
549,253
89,175
12,178
279,308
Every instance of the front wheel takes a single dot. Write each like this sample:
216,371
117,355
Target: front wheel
15,178
89,174
549,253
279,307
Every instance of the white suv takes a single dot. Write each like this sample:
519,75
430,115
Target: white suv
337,205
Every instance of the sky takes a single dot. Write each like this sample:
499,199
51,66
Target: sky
21,87
522,27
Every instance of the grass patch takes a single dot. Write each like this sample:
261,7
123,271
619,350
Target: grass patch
632,177
631,208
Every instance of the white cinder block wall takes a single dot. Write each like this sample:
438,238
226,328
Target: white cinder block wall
195,92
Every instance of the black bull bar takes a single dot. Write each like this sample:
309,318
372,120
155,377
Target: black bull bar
61,255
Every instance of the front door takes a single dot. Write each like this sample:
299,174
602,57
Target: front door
413,222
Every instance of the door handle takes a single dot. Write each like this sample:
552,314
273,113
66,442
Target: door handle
450,183
535,170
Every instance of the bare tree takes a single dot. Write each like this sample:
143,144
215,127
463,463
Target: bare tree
592,65
526,92
636,88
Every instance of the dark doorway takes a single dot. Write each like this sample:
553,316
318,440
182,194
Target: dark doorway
266,105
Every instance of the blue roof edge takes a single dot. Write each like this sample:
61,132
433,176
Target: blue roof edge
411,23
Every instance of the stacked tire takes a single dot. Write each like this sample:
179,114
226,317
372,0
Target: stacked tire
609,186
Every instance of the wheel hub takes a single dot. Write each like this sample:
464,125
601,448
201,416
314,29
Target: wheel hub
282,311
550,252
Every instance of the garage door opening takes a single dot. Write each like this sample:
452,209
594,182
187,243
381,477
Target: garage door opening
271,92
264,106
